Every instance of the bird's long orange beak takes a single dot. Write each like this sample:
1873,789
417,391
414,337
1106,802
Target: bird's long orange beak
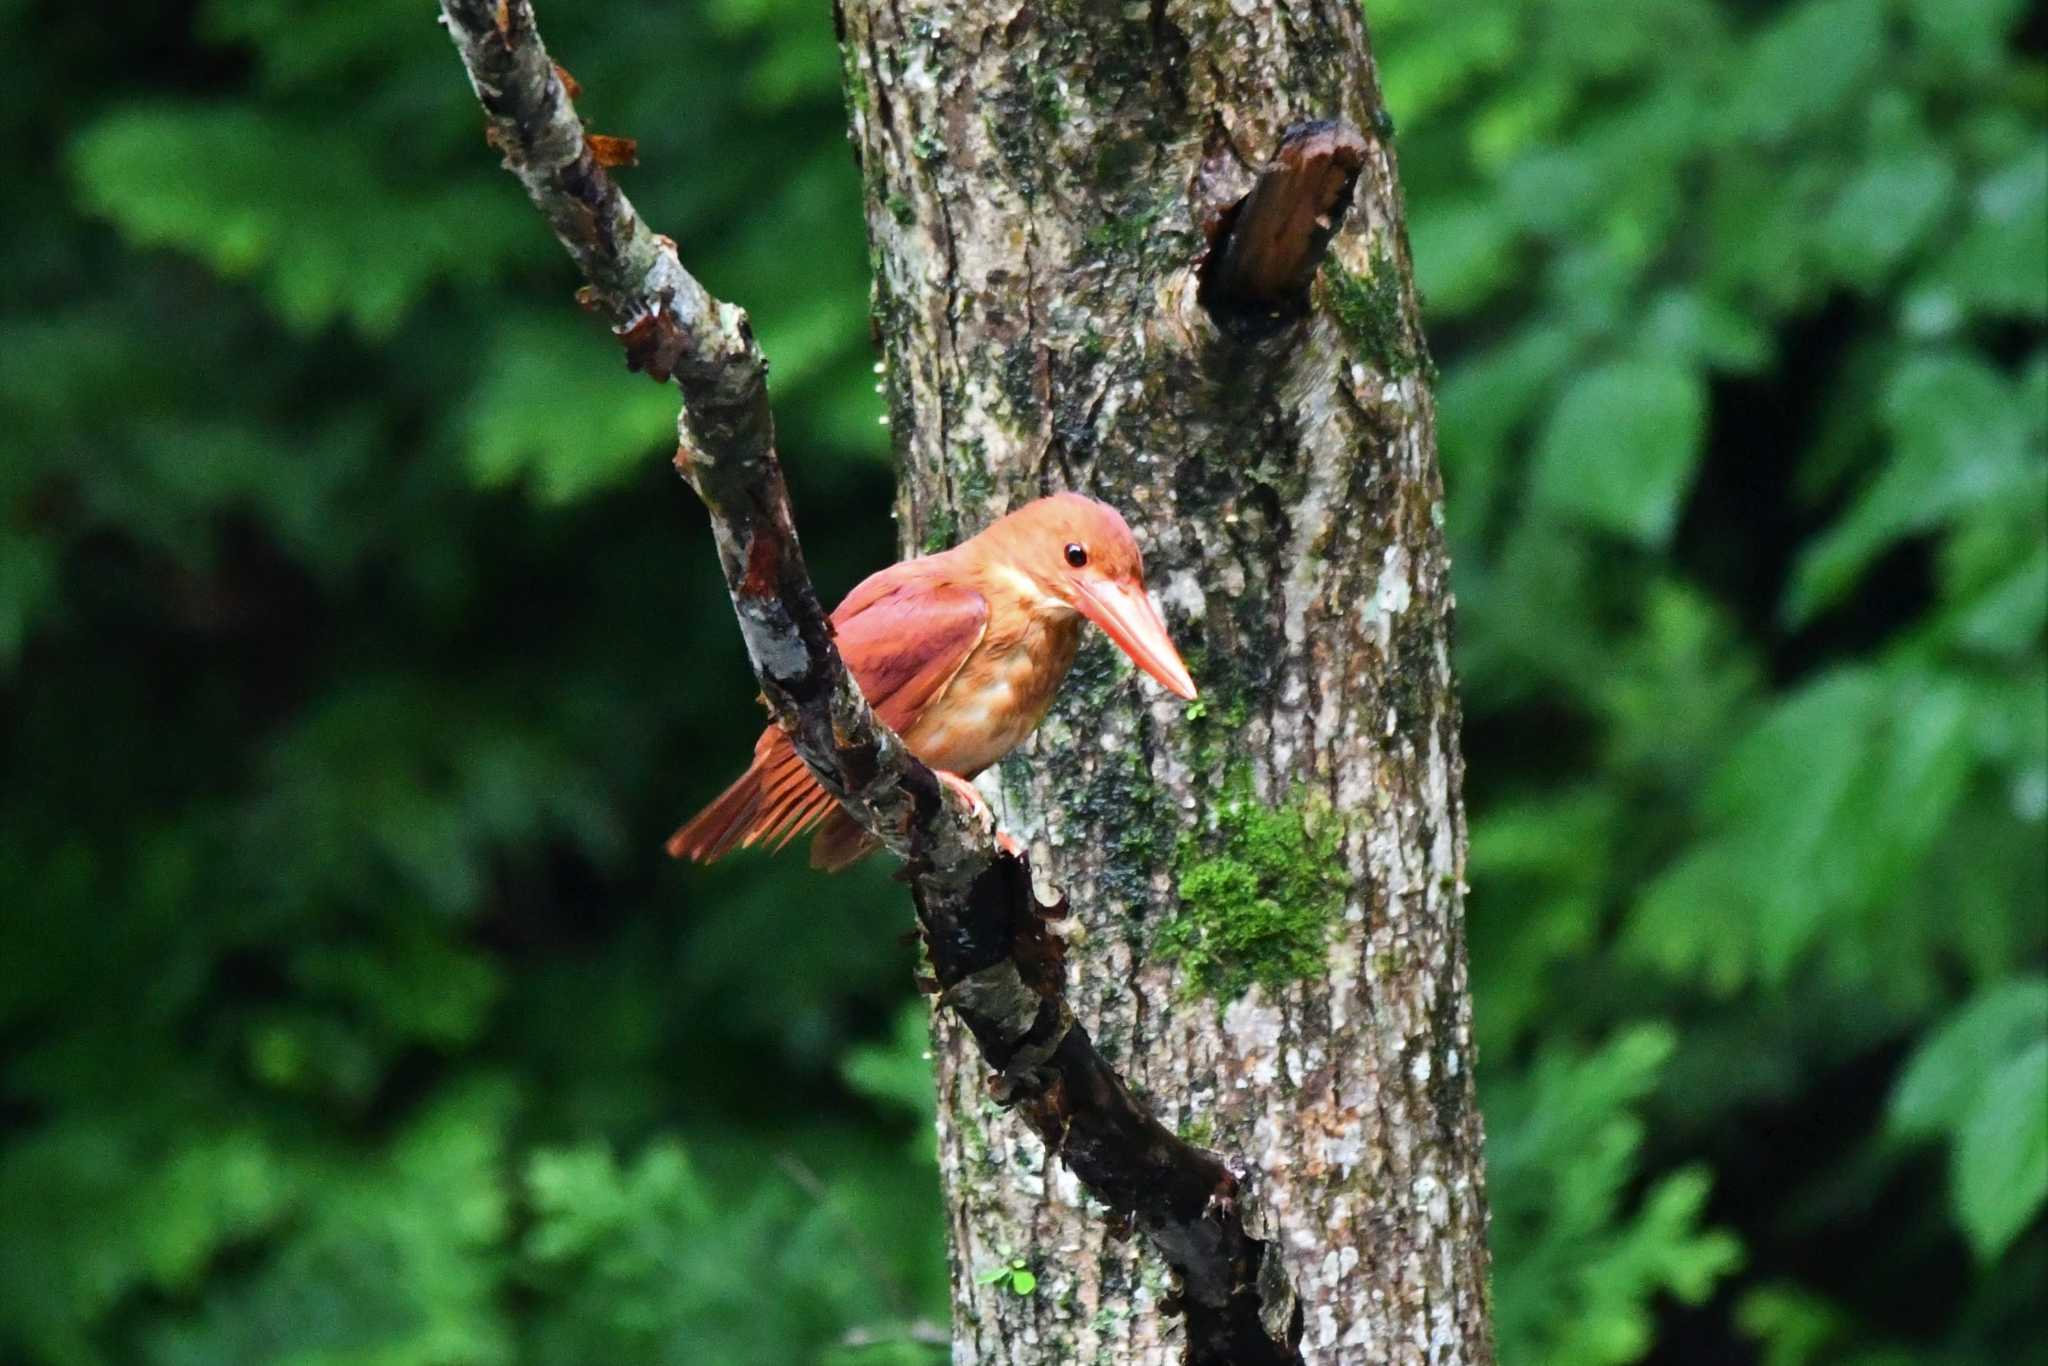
1128,617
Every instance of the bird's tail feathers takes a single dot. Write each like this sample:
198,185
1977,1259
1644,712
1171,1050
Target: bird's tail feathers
775,800
713,831
840,843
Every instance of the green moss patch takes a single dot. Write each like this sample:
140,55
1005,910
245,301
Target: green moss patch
1258,896
1368,309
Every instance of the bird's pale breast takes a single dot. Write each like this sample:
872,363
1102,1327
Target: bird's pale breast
997,699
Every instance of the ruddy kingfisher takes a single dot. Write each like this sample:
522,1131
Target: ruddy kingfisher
960,653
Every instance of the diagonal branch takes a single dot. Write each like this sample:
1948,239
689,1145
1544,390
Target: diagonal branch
671,327
999,966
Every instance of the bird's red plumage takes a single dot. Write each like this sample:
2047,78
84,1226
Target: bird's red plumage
904,633
960,653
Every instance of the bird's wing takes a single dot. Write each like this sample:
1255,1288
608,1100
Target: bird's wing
903,633
904,637
903,640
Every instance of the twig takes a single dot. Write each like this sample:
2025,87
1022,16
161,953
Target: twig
813,1185
998,966
922,1332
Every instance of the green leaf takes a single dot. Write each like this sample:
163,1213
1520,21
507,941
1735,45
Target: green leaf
179,1200
2001,1153
1463,256
416,986
900,1074
2009,615
550,412
28,580
307,212
1692,1262
1697,328
1791,1326
297,46
1994,268
1023,1282
1948,1070
1971,33
1545,856
1457,45
582,1200
1803,68
1959,441
1492,395
1884,213
1583,1260
391,1263
1619,450
1830,802
1760,219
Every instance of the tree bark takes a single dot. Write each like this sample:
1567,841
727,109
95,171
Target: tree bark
997,964
1108,257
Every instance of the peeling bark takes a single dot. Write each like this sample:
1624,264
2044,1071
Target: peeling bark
1269,927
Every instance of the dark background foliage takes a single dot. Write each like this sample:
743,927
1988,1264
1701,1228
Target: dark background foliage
357,649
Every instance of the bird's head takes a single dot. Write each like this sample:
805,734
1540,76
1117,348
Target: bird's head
1077,553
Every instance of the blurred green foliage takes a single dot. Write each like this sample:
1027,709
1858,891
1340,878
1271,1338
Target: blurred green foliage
1743,417
355,654
356,650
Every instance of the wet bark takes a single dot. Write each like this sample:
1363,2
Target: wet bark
1112,253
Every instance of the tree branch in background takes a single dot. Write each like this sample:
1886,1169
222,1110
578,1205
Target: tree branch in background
999,966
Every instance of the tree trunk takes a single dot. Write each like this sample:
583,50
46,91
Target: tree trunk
1267,886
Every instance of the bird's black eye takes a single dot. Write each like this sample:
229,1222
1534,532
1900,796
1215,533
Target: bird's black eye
1077,554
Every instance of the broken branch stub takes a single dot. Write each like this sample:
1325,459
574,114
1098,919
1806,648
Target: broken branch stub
1265,247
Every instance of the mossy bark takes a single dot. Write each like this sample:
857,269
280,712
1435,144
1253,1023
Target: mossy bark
1039,176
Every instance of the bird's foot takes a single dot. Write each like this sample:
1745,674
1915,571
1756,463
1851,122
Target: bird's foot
970,794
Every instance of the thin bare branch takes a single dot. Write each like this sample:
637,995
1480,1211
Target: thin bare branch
672,328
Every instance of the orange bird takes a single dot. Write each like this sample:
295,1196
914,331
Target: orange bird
960,653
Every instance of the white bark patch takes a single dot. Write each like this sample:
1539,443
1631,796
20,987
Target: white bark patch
773,651
1183,593
1344,1151
1392,595
1255,1028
